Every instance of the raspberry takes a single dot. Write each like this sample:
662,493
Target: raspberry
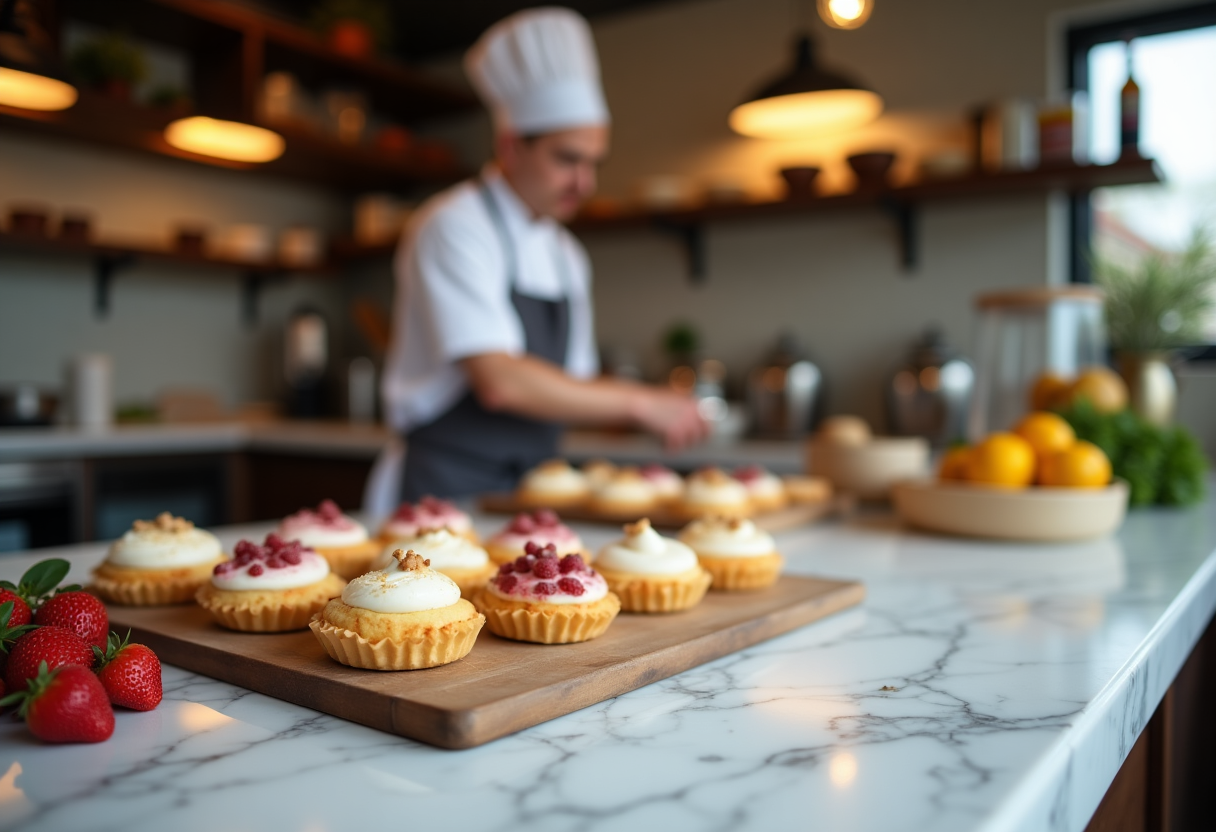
545,517
405,512
276,562
523,565
532,548
570,563
550,551
523,524
571,586
328,510
507,582
256,570
546,568
225,567
544,588
292,557
506,568
246,549
273,541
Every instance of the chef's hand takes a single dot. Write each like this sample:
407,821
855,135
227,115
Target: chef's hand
672,416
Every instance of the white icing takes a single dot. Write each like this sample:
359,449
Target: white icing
397,591
765,485
311,569
317,536
715,537
726,492
160,549
647,553
444,549
627,489
556,480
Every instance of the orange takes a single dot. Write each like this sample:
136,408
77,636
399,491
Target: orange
1004,459
1046,433
1081,466
954,464
1104,388
1049,390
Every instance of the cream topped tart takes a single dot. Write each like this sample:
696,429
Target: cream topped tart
598,471
547,599
459,558
410,519
271,588
541,527
767,491
735,551
713,491
650,572
668,485
626,494
406,617
337,537
554,484
161,561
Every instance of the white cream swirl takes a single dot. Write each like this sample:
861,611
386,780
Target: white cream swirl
311,569
323,536
398,591
643,551
556,478
719,490
444,549
716,537
161,549
626,488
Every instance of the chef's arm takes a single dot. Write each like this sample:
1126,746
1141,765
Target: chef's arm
528,386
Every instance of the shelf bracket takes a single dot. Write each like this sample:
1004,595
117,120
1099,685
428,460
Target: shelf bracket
104,267
904,215
692,237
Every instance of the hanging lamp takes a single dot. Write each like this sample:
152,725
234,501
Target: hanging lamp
233,141
30,77
808,100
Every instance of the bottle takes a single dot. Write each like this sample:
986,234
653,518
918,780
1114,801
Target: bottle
1129,112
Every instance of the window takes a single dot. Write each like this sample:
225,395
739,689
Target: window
1173,60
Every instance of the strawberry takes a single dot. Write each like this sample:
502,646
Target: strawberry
21,610
67,704
38,582
53,645
10,631
130,673
78,611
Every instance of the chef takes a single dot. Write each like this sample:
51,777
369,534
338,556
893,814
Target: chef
494,342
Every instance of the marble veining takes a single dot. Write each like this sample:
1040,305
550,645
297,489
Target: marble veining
982,686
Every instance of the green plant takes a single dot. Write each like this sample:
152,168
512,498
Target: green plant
107,58
1162,302
681,340
374,14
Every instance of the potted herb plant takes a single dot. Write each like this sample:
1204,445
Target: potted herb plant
109,63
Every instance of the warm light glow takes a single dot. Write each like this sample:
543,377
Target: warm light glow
845,14
805,113
197,718
842,769
34,92
224,139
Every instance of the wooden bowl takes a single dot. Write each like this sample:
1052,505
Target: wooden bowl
799,182
871,169
870,469
1032,514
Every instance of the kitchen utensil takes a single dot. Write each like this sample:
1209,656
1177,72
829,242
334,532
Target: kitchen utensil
300,245
872,169
1023,333
782,391
799,181
24,405
1035,514
91,390
869,470
929,395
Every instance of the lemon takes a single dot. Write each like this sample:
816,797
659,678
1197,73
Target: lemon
1049,391
1004,459
1083,465
954,464
1046,433
1104,388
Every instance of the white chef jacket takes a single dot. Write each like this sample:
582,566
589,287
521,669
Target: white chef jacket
454,296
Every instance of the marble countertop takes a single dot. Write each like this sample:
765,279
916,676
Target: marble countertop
982,686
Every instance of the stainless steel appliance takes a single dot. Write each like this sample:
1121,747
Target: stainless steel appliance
782,391
929,395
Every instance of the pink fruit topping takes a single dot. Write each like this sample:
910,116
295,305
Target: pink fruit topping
546,568
571,586
749,473
571,563
275,553
326,515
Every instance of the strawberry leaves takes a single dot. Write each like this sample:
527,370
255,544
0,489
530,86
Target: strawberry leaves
40,581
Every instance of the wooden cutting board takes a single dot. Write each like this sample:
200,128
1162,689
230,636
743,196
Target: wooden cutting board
502,686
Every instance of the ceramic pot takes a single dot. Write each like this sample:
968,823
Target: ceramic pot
1151,387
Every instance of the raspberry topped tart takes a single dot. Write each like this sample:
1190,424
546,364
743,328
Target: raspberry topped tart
554,484
161,561
734,551
459,558
408,617
541,527
652,573
411,519
713,491
337,537
668,485
271,588
547,599
767,492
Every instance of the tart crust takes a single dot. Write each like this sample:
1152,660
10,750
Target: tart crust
396,641
743,572
622,509
268,610
133,587
351,561
693,511
543,623
657,593
530,498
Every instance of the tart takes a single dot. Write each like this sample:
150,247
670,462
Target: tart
805,490
271,588
734,551
541,527
459,558
547,600
161,561
338,538
766,491
652,573
553,484
627,494
598,471
411,519
405,618
713,491
668,485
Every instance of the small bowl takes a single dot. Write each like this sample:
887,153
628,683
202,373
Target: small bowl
869,470
1037,514
872,169
799,182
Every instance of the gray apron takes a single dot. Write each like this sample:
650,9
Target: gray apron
470,450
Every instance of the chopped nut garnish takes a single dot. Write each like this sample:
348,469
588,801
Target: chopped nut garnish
164,522
888,687
633,529
410,561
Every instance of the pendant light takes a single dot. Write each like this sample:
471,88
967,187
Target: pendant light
845,14
808,100
29,75
233,141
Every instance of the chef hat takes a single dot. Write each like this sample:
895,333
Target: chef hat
538,72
